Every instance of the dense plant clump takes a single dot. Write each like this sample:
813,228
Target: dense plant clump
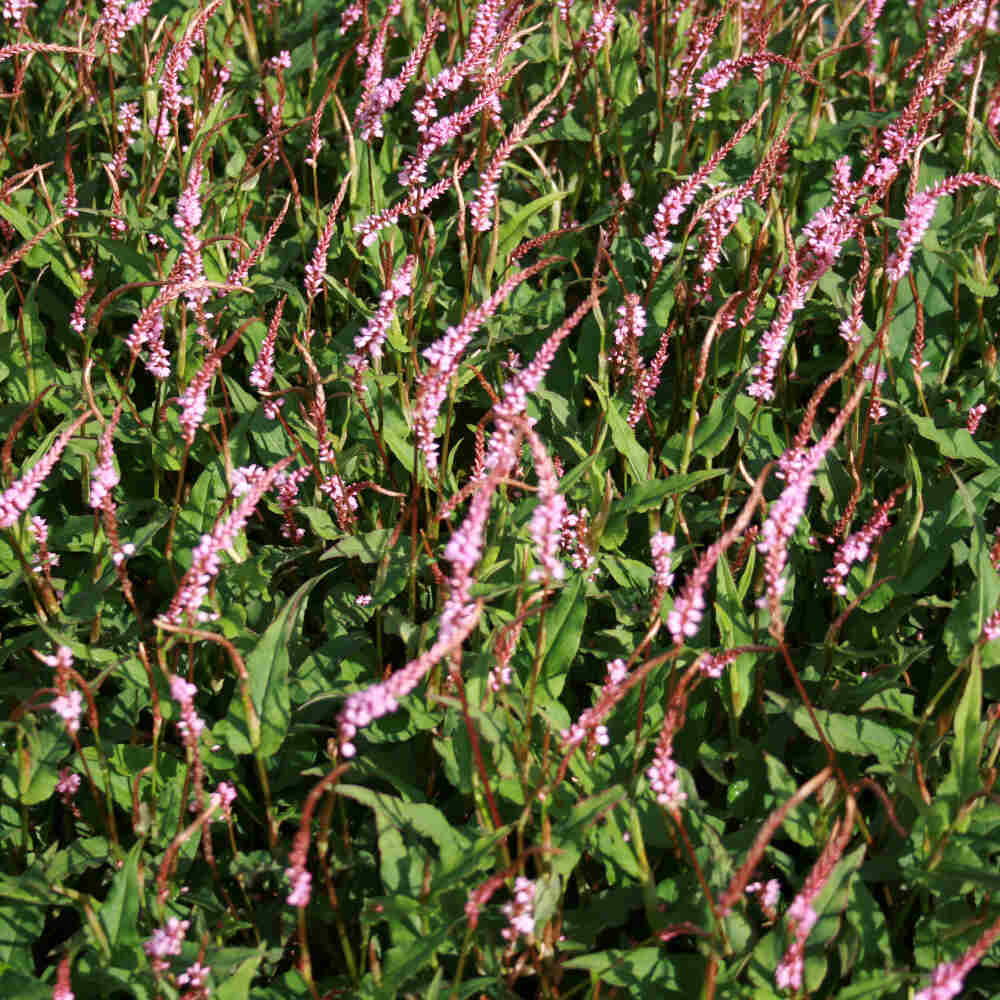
499,501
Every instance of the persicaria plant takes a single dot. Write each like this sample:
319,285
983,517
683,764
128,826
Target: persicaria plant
499,500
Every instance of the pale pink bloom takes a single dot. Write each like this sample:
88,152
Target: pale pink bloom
190,724
206,562
239,273
69,708
194,977
520,913
385,93
443,357
171,97
349,17
627,334
166,941
713,664
227,795
601,25
301,882
316,268
262,373
546,520
801,916
772,344
194,399
648,379
976,414
368,343
68,785
991,630
117,20
363,707
855,547
288,492
39,529
16,11
661,545
677,199
919,213
663,778
105,476
16,499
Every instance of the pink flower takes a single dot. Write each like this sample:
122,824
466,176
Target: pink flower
68,785
855,547
262,373
190,724
919,213
663,779
301,886
520,913
166,941
976,414
69,707
369,341
661,545
105,477
676,200
206,562
194,976
443,357
16,499
316,268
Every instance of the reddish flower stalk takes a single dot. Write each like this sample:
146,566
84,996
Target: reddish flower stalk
685,617
547,518
16,499
649,378
677,199
444,356
799,467
855,547
948,978
919,213
486,197
364,707
193,400
206,562
801,916
262,373
368,343
316,268
239,273
179,56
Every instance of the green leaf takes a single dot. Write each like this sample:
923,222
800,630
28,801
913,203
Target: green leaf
735,630
120,910
268,667
850,734
512,230
563,631
622,435
716,428
236,986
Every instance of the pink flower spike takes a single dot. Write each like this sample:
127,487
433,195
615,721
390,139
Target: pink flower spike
520,913
69,707
919,213
206,562
16,499
368,343
301,886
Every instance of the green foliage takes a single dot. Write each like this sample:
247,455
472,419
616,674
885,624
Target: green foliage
612,698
